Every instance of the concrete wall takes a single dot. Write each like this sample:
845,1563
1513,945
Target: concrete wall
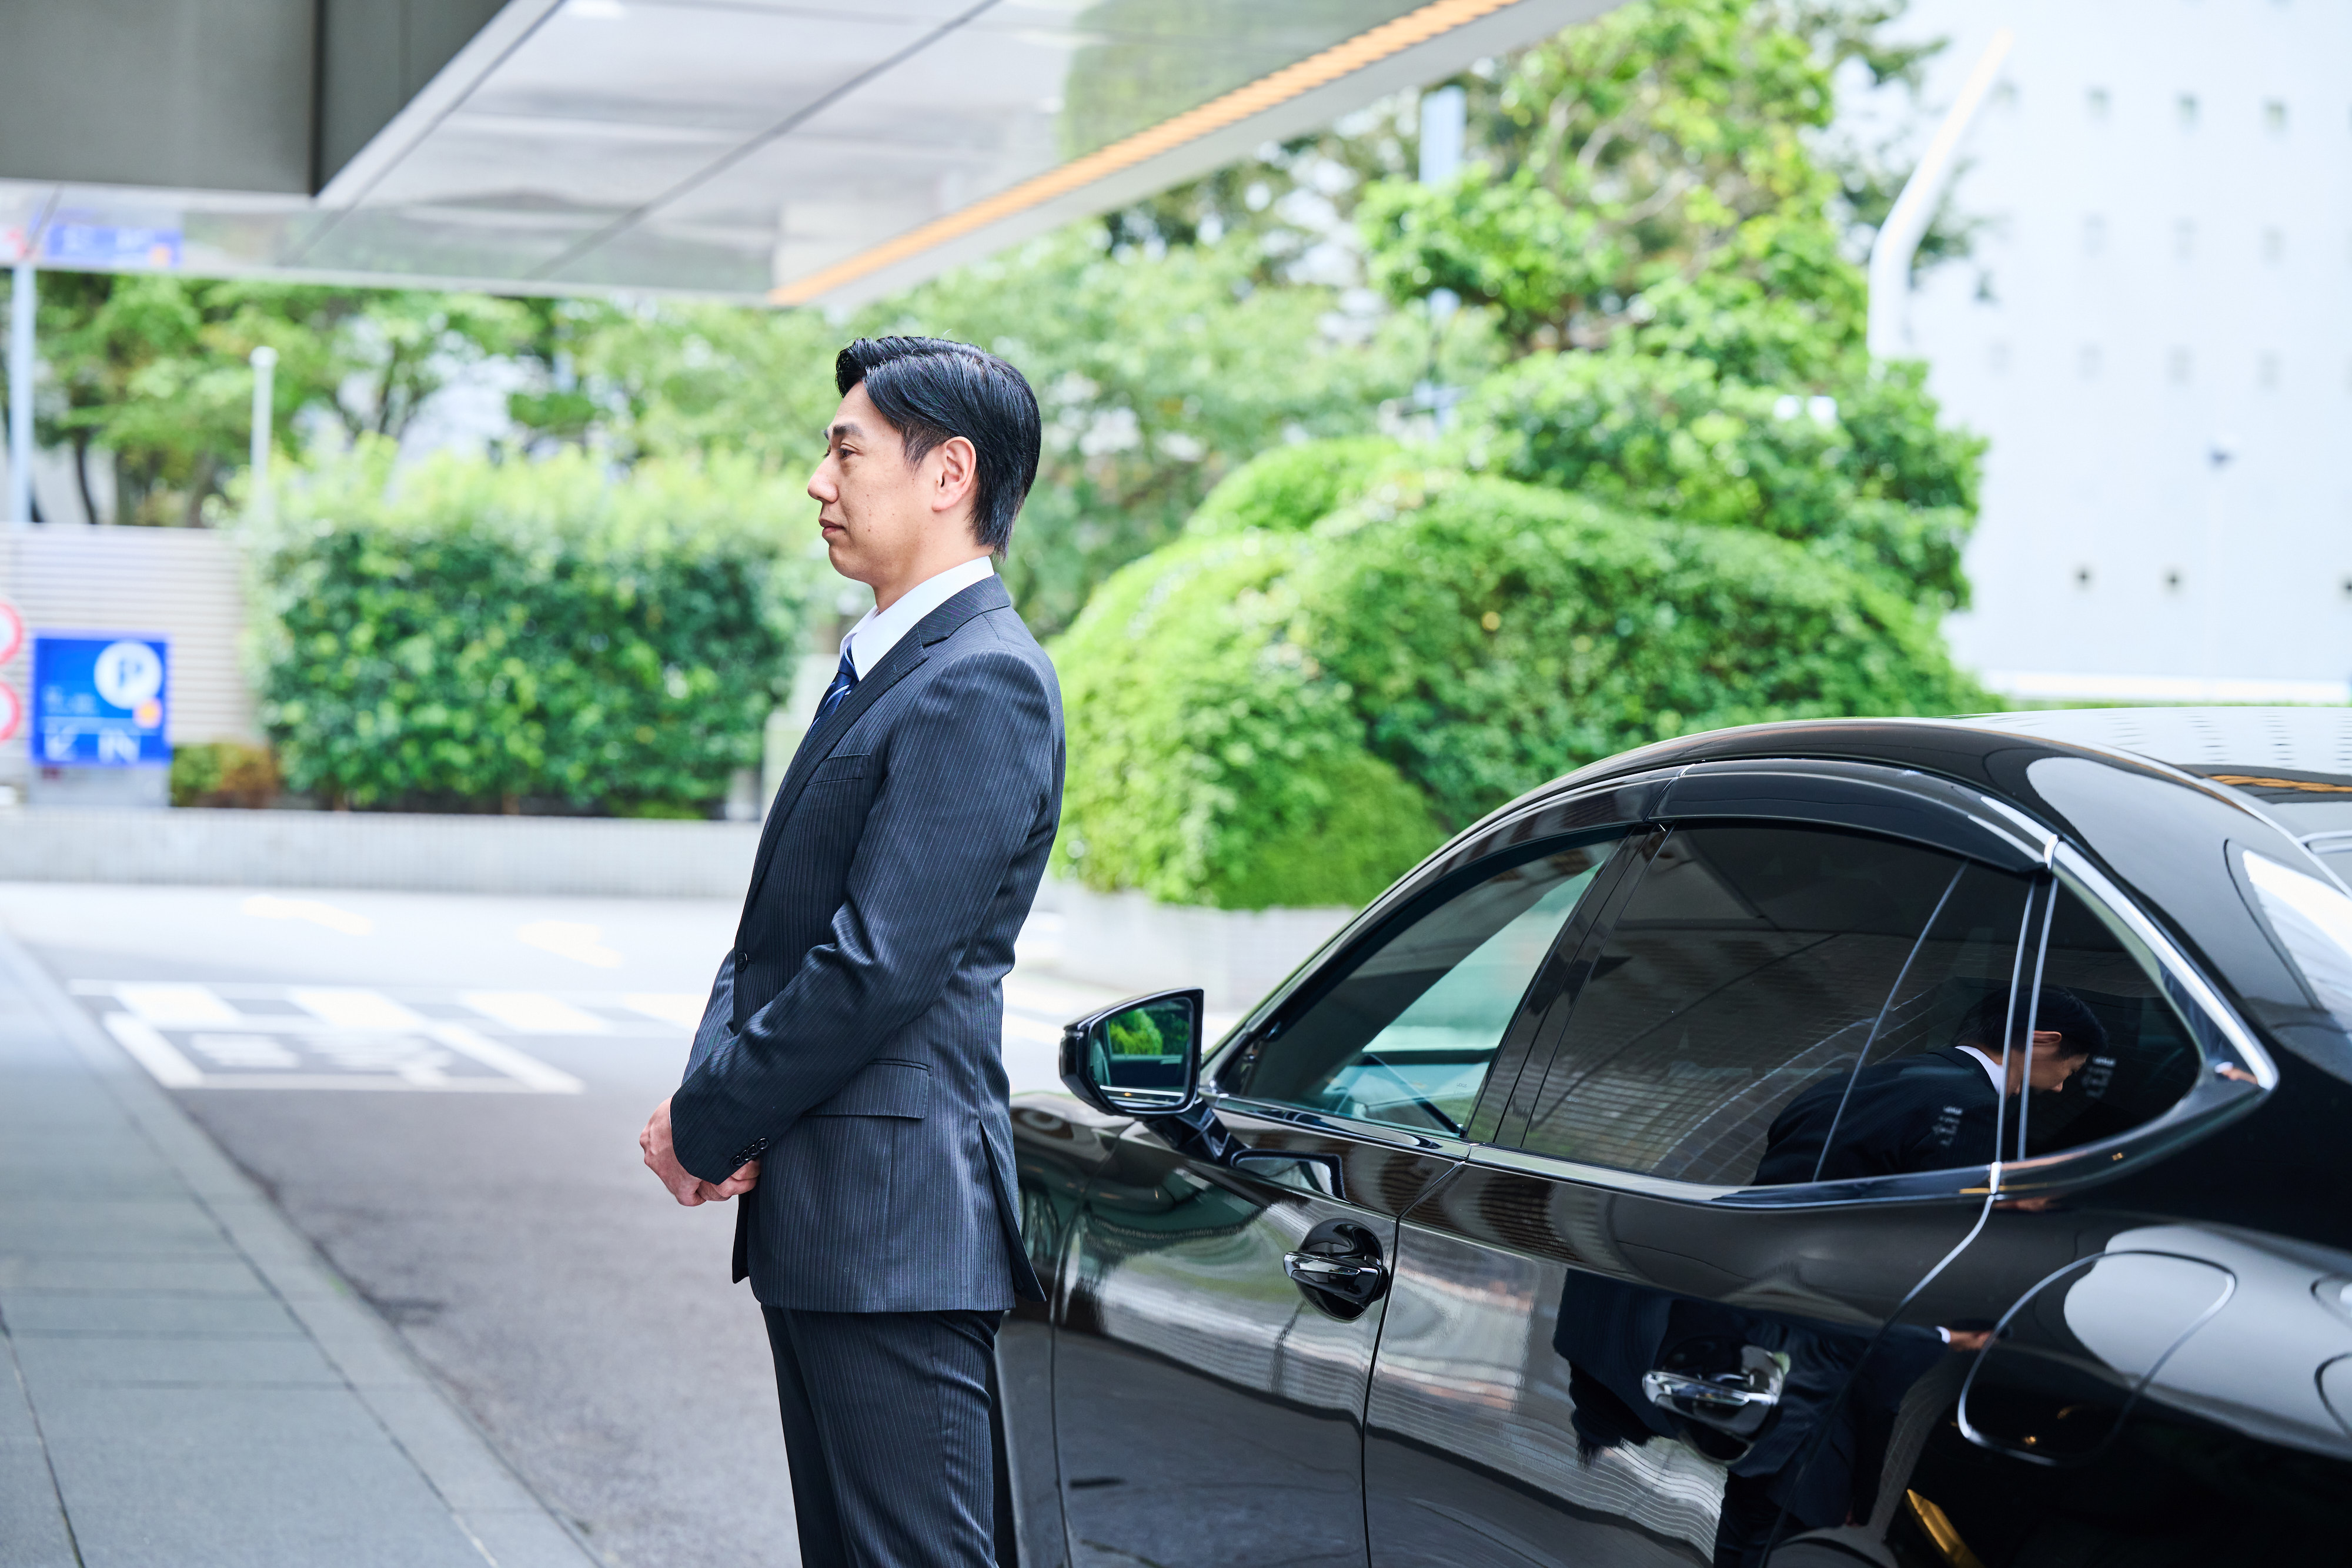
382,850
1126,940
2166,275
1123,940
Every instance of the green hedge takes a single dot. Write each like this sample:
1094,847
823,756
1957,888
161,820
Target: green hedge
1265,717
527,635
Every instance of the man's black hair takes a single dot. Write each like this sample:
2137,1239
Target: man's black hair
2058,1009
931,389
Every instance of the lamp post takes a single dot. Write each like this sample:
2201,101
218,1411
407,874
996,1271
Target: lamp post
260,506
1898,238
20,397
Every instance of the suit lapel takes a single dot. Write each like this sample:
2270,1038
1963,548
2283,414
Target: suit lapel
902,659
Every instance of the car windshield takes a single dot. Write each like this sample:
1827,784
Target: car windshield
2314,921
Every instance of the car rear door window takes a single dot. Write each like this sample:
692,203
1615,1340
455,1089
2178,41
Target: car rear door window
1755,966
2141,1057
1407,1035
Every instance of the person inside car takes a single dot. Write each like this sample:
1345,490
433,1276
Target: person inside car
1940,1110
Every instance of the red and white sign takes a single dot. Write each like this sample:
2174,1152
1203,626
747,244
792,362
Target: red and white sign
12,631
12,712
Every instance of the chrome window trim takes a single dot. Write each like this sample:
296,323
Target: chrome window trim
1966,1181
2209,1097
2071,862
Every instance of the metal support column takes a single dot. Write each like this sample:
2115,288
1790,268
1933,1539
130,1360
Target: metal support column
20,398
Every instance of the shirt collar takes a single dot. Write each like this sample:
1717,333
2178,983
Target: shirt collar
870,641
1992,1070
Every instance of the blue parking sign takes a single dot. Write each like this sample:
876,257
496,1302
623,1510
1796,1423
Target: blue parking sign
99,701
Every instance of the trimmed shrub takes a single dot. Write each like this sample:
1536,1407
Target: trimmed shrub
1266,717
222,773
1865,477
1210,762
546,634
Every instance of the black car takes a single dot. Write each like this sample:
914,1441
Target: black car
1896,1141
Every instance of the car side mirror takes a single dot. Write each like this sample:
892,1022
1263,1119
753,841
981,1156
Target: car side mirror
1141,1058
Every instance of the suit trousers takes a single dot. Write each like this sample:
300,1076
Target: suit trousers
887,1432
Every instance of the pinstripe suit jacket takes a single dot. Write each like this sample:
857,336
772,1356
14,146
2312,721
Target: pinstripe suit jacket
853,1043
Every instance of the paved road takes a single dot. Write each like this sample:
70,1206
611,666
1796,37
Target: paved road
443,1092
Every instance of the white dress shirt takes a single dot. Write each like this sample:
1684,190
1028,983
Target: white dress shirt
1992,1071
870,641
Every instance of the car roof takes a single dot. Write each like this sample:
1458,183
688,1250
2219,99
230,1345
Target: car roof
2314,740
2297,761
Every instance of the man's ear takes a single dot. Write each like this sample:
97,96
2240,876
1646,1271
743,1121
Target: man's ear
955,474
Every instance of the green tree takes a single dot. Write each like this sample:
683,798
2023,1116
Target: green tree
1653,231
150,369
1156,375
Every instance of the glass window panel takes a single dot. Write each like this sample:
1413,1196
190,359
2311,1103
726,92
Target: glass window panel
1408,1035
1754,964
2140,1059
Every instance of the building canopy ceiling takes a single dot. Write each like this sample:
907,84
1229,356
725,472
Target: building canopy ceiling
797,153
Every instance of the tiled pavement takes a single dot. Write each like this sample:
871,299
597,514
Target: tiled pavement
182,1379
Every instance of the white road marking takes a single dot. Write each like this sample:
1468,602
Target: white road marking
268,907
680,1008
404,1056
349,1008
256,1052
527,1070
570,940
159,1056
176,1007
528,1012
1018,1025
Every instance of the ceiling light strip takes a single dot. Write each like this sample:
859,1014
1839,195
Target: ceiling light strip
1266,92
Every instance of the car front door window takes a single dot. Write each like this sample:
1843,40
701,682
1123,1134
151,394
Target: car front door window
1408,1034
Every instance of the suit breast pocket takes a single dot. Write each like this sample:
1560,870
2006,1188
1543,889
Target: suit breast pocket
839,770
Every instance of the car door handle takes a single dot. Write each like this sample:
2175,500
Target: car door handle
1351,1278
1702,1396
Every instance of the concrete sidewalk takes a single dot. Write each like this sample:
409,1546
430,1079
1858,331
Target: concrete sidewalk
183,1379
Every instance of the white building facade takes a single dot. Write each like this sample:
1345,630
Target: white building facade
2156,332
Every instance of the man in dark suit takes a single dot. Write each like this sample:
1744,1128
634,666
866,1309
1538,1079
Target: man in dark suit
847,1078
1941,1110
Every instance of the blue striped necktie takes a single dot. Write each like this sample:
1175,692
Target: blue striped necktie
845,681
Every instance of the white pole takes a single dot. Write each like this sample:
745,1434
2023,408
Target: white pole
261,503
1907,222
1444,122
20,397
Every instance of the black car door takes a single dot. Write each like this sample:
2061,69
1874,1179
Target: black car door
1605,1341
1218,1318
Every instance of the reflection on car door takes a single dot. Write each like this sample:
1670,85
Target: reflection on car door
1206,1409
1216,1336
1604,1343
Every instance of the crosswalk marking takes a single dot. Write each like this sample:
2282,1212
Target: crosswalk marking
526,1070
1037,1029
159,1056
528,1012
680,1008
254,1051
347,1007
176,1006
